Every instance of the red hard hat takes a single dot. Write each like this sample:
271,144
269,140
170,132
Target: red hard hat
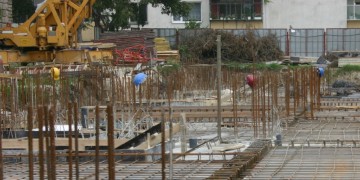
250,80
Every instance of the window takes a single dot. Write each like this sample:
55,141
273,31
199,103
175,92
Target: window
353,9
194,14
236,9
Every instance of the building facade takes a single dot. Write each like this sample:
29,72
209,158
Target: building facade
199,12
305,14
282,13
6,12
239,14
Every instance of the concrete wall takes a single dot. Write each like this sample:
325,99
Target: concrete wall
6,10
305,14
158,20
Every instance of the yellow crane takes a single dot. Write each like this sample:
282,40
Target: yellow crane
49,34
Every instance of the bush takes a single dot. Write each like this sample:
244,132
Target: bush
202,47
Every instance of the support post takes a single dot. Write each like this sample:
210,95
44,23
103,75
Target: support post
218,40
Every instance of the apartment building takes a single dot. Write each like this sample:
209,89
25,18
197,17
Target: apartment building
238,14
199,12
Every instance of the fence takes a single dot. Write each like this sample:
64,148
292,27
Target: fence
293,42
343,39
306,42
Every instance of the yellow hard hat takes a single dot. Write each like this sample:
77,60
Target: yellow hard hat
55,73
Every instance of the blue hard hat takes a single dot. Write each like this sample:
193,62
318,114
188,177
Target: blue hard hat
139,79
321,72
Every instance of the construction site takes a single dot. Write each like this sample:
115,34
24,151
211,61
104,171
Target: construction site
126,107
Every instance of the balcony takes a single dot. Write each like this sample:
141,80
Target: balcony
241,10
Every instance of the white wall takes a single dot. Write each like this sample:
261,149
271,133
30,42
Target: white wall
305,14
158,20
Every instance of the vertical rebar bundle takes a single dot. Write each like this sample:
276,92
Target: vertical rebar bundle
40,105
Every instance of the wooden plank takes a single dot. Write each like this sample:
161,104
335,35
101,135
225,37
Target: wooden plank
169,52
23,143
10,76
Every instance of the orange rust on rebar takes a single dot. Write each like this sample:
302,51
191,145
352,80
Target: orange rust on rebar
37,91
22,95
97,142
12,100
295,83
70,123
287,93
318,94
253,103
114,97
258,105
234,97
263,101
76,118
163,175
97,133
30,142
110,129
40,115
1,130
47,140
303,89
295,90
52,146
311,94
134,96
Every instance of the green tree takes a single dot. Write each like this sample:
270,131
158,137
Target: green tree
114,14
22,10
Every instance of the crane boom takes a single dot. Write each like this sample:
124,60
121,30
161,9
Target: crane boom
53,25
50,35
